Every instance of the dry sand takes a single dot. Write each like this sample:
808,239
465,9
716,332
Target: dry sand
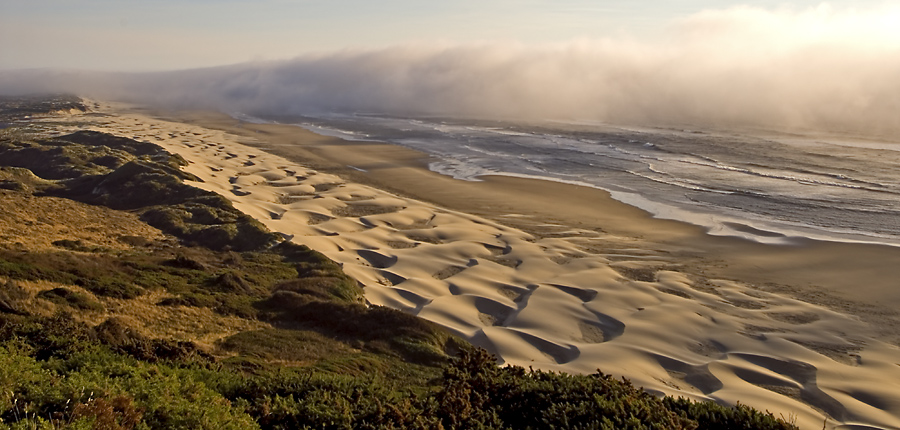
564,278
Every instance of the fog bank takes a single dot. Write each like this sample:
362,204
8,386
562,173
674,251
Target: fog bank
818,68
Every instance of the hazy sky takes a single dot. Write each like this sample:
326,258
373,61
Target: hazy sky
797,65
131,35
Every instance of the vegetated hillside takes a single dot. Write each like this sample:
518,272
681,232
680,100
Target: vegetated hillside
129,299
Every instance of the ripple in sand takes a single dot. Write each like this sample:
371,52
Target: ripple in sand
286,182
708,348
582,294
803,374
447,272
675,292
697,376
562,260
590,333
610,327
561,354
317,218
748,304
504,261
289,199
377,259
357,198
359,210
794,317
488,320
704,286
420,237
637,274
238,192
513,293
491,312
845,354
498,250
390,278
396,244
321,188
759,332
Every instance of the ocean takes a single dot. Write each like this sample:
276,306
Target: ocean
770,187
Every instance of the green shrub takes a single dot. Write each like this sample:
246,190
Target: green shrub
477,394
288,345
32,272
14,298
71,298
379,328
192,300
712,416
111,286
236,305
323,288
76,245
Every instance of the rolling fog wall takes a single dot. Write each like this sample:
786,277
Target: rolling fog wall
818,68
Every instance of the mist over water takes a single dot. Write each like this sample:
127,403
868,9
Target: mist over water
819,68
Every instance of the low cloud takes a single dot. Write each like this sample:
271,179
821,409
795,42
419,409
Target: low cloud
818,68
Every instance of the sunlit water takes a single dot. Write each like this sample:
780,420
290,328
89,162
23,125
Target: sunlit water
766,187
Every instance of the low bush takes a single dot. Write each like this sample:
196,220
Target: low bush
303,346
375,328
74,299
13,298
76,245
475,393
323,288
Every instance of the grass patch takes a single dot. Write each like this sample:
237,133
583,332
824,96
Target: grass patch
284,345
14,299
377,329
74,299
76,245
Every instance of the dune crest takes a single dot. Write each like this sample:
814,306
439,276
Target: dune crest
551,302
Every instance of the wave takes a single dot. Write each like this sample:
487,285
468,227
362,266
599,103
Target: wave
874,187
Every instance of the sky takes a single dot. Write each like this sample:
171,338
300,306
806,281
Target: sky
131,35
798,65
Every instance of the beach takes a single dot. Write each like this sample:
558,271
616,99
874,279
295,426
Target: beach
563,277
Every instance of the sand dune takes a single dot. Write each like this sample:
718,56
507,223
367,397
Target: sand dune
551,302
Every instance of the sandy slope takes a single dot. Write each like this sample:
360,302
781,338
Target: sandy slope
557,301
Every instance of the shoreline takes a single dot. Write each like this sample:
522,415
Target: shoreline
563,277
854,276
719,222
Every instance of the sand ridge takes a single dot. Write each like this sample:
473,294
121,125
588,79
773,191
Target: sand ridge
551,302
